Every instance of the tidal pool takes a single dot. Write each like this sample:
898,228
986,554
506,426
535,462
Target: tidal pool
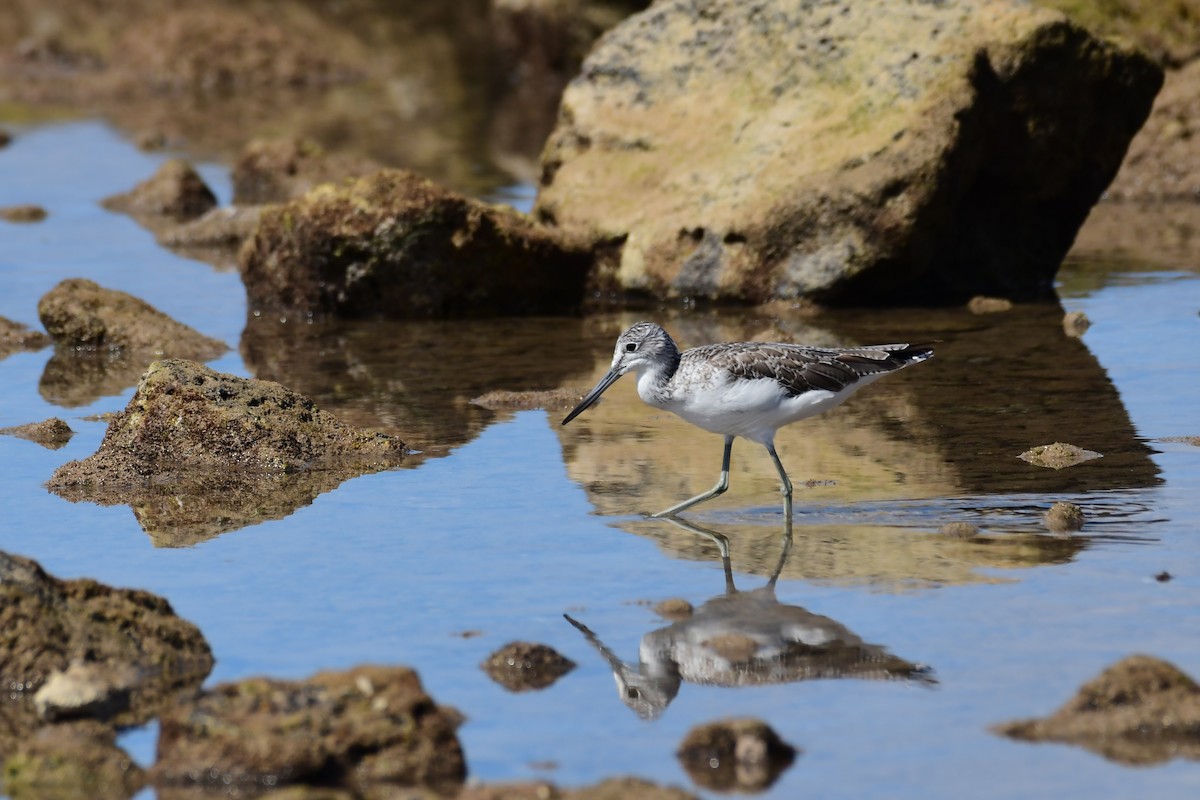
507,521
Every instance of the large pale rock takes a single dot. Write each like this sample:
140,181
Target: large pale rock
395,245
850,151
361,728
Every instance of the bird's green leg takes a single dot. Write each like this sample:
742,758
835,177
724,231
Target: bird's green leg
786,488
721,486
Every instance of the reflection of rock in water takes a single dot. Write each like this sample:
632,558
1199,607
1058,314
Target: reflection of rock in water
521,666
745,639
1007,382
74,378
418,376
743,755
193,508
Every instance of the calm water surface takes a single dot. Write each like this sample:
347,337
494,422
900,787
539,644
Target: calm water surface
507,521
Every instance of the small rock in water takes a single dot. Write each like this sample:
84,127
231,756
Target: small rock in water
743,755
1076,323
1141,710
1058,455
1064,517
521,666
959,530
52,433
23,213
674,609
989,305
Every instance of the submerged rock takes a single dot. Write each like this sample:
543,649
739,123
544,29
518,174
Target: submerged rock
52,433
123,638
82,314
959,530
362,728
16,336
175,191
395,245
521,666
1058,455
79,760
1141,710
743,755
847,151
197,452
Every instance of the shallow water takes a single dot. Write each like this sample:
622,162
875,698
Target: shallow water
508,521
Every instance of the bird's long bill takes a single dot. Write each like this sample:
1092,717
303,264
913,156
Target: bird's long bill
591,397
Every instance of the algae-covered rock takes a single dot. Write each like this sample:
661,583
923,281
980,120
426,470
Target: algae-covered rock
360,728
197,453
857,151
80,313
47,624
80,760
176,191
16,336
395,245
1141,710
186,417
52,433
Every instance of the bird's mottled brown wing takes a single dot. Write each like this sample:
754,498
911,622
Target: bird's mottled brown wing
800,369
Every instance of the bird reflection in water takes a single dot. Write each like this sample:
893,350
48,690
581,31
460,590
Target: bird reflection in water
745,638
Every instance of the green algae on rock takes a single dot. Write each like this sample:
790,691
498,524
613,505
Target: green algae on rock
359,728
880,152
78,760
395,245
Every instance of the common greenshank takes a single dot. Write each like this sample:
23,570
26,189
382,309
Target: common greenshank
747,389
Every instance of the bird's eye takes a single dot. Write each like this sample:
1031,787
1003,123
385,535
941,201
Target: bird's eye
629,348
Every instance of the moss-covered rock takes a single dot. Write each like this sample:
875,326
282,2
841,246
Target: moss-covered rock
46,624
197,452
395,245
360,728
